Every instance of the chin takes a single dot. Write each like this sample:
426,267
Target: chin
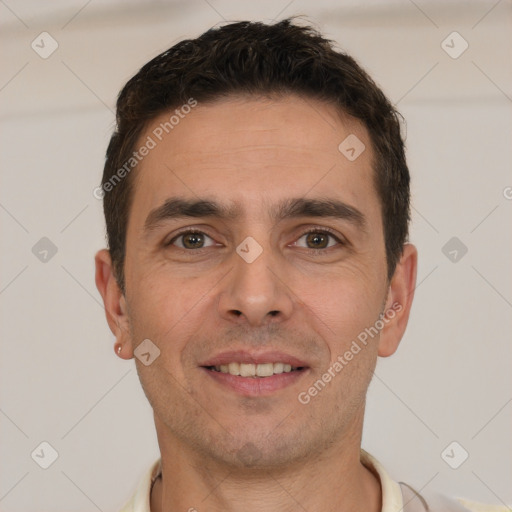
261,451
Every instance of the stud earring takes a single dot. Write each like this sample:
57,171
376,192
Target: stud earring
118,349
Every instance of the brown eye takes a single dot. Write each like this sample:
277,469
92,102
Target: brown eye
191,240
318,239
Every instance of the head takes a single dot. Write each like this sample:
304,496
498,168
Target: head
255,59
239,133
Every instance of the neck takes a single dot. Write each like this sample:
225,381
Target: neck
334,481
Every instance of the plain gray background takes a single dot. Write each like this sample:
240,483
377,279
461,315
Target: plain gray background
61,382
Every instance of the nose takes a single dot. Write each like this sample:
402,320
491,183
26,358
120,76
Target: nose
256,293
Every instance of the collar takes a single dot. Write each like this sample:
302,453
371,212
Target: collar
391,493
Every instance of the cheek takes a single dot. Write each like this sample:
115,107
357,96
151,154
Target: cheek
344,303
343,310
169,312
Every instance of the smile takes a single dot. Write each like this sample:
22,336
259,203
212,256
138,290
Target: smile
254,370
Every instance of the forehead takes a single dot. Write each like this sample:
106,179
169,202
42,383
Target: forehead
254,151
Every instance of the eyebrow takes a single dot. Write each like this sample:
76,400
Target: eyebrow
178,208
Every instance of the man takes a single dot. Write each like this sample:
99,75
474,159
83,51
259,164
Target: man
256,197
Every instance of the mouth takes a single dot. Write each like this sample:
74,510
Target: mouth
255,374
261,370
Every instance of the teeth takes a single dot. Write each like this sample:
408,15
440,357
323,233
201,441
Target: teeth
265,370
278,367
254,370
247,370
234,368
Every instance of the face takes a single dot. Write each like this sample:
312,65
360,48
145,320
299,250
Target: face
255,245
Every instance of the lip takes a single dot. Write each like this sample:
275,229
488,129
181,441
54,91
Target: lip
256,386
244,356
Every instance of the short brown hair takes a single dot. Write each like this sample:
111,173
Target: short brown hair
257,58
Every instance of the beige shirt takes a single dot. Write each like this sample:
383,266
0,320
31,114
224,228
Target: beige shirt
391,492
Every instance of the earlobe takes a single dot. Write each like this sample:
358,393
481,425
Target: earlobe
114,302
399,301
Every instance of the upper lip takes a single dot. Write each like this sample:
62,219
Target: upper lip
247,357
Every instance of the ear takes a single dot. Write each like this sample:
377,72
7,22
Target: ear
114,301
399,301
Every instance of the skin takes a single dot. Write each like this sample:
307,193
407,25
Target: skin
221,450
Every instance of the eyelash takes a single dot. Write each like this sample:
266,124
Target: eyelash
324,231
